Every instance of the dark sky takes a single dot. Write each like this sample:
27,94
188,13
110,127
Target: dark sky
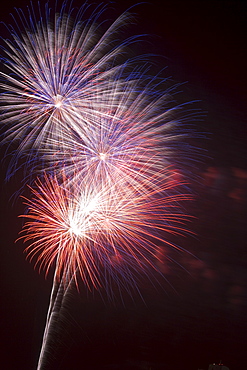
201,320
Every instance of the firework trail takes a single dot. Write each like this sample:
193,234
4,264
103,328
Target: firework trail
58,296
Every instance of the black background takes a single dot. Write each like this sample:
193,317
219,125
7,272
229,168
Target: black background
202,43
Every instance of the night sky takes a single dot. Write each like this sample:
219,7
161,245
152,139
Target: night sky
197,314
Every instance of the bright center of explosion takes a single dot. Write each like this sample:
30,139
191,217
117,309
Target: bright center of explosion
89,207
80,220
58,101
75,227
102,156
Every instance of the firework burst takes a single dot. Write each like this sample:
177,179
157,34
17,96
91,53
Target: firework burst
131,146
111,229
58,74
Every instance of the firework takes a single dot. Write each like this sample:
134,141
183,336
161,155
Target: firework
58,73
102,232
101,228
108,195
131,146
